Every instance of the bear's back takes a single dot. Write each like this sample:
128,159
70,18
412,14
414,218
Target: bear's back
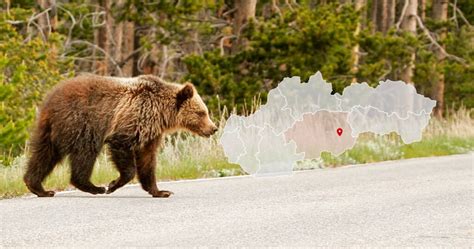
81,107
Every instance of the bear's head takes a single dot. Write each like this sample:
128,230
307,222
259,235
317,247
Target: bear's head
193,114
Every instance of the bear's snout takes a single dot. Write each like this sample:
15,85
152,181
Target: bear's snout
213,129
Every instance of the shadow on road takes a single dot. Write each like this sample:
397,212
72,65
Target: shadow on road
105,196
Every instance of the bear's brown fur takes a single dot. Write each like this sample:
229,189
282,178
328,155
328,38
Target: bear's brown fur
130,115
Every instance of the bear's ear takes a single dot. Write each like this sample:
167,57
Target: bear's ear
184,94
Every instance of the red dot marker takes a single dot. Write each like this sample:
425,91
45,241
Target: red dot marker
339,131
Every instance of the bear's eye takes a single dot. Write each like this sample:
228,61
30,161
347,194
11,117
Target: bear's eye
201,114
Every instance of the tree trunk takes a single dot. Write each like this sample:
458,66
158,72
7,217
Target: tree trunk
116,43
103,42
373,15
116,49
136,57
423,10
245,12
383,15
409,24
151,62
128,48
48,22
440,13
358,5
391,10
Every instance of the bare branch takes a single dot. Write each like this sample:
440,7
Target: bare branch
455,18
221,43
99,49
402,15
436,44
276,9
8,7
461,15
287,2
31,20
50,28
40,30
73,20
387,72
95,19
130,56
141,60
165,61
229,12
12,22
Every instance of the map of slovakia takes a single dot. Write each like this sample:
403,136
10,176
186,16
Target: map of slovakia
301,120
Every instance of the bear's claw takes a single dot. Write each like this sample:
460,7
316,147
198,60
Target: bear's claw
100,190
111,188
162,194
46,194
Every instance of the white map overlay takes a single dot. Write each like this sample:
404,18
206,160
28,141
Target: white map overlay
300,120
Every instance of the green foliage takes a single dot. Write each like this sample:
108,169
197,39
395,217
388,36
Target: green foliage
386,55
370,148
301,42
28,68
173,20
305,38
460,78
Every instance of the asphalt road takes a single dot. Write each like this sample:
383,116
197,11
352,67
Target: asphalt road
419,202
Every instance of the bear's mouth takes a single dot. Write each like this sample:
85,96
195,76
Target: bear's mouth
207,134
203,132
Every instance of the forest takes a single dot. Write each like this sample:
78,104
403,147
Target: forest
233,51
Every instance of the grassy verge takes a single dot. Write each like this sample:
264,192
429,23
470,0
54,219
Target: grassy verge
182,158
453,135
189,157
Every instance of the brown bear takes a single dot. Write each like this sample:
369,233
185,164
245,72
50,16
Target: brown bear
130,115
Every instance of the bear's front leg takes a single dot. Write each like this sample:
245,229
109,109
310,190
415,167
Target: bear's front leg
123,159
146,164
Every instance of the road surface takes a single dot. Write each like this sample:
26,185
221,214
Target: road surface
418,202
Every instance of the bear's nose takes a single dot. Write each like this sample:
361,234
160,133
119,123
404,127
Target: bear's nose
214,130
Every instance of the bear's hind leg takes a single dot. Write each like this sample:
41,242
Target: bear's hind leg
40,165
44,156
124,162
82,164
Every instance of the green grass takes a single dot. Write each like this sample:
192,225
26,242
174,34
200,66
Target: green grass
370,148
189,157
453,135
440,146
11,183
